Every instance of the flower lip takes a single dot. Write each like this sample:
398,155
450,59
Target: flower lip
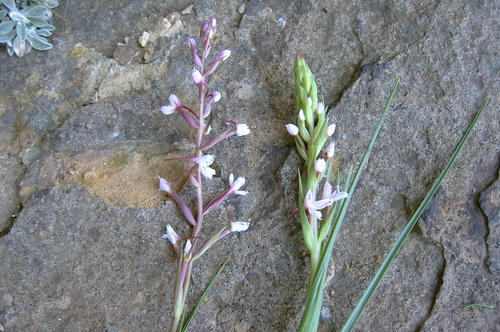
242,129
238,183
235,185
292,129
168,109
239,226
204,163
165,185
216,96
171,235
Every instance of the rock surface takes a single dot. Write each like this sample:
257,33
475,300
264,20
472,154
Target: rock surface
82,144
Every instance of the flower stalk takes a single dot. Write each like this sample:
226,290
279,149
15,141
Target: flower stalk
194,245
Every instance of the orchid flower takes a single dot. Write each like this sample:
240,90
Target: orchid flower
204,162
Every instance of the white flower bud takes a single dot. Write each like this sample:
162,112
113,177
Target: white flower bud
302,116
330,150
331,129
320,165
292,129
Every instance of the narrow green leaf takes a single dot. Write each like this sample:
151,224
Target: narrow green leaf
358,310
480,305
188,320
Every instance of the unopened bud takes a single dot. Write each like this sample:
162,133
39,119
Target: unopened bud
292,129
330,150
302,117
320,109
331,129
320,165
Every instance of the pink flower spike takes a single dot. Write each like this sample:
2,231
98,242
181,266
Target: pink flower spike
239,226
331,129
171,236
242,129
197,76
165,185
292,129
320,165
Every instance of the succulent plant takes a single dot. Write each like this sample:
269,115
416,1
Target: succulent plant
25,24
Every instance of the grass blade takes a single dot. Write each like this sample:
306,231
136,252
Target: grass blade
188,320
358,310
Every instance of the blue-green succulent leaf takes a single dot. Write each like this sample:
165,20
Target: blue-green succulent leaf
39,43
5,27
38,22
50,3
9,4
40,12
43,32
4,38
21,30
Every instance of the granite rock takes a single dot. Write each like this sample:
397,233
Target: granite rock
82,144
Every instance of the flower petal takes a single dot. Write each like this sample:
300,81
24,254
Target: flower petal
239,226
